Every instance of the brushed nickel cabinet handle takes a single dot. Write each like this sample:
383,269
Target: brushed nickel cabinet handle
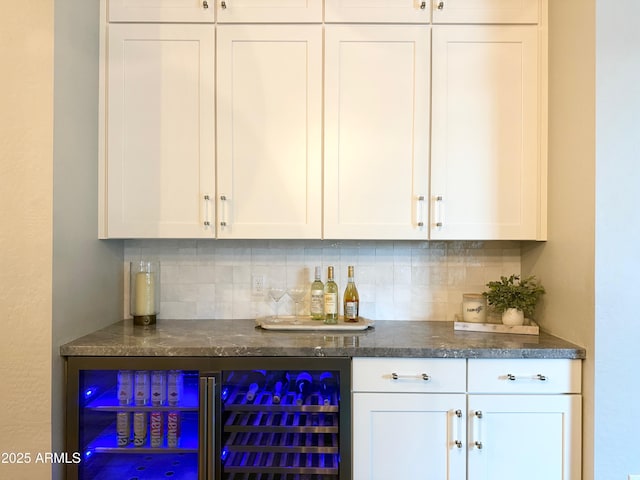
440,5
205,4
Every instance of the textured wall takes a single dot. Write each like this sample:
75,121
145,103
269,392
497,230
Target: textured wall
26,131
396,280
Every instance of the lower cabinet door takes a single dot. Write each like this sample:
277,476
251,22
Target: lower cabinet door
528,437
408,435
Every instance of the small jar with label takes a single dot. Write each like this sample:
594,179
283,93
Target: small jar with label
474,308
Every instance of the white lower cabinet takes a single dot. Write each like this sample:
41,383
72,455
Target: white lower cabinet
457,419
524,419
403,426
528,437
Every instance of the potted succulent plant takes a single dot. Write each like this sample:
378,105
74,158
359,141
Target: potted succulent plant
514,297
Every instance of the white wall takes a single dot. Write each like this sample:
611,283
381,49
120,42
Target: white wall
565,263
26,135
87,272
617,356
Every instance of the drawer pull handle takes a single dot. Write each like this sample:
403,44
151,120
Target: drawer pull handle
513,378
440,5
478,445
458,414
422,376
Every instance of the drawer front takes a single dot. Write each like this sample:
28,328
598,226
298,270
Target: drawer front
524,376
408,375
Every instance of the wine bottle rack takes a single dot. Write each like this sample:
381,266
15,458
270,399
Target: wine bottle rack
264,440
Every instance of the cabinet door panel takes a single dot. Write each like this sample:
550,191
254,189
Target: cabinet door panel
269,11
160,130
178,11
485,139
486,11
406,435
528,437
269,131
376,131
377,11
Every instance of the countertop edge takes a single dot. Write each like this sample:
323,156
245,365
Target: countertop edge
240,338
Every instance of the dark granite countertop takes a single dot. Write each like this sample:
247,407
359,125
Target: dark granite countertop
235,338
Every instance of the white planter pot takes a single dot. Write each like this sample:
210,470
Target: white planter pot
513,316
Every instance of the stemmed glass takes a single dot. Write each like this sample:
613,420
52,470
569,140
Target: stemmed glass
276,292
297,294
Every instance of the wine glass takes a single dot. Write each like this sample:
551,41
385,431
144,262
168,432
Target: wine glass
297,294
276,292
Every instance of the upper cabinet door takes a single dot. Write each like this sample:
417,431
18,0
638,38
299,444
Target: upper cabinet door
376,131
160,131
486,166
377,11
486,11
269,11
179,11
269,131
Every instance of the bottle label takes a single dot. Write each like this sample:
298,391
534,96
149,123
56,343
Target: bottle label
317,302
351,310
331,303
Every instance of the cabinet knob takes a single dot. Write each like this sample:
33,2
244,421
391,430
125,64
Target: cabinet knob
440,5
205,4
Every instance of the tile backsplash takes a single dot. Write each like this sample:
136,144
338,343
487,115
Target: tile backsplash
396,280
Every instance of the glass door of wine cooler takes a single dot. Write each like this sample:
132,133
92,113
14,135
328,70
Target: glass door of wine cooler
253,418
283,424
143,422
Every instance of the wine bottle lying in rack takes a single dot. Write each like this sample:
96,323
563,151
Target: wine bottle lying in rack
279,386
304,384
328,387
256,380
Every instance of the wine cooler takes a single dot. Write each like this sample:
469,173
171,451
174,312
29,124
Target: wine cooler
227,418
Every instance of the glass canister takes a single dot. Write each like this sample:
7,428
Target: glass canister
474,308
145,291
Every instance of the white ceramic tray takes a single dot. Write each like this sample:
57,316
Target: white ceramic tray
306,323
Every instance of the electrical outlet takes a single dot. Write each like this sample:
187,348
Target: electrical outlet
257,285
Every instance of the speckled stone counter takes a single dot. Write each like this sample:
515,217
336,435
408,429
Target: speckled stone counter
235,338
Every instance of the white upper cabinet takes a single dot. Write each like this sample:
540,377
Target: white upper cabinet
171,11
159,164
269,11
269,131
376,154
486,11
487,175
377,11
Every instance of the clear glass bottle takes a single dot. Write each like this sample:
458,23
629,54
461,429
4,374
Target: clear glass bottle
351,299
145,292
317,297
330,299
